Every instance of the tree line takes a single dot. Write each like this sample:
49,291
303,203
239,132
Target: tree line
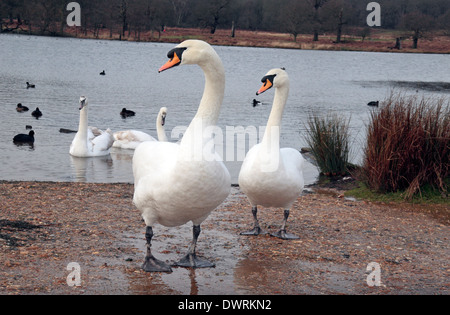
296,17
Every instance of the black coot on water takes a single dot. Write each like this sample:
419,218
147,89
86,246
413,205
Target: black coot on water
23,138
37,113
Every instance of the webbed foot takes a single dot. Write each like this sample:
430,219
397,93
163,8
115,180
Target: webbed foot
192,261
285,236
254,232
152,264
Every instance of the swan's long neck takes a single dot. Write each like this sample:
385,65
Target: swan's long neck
198,135
271,139
83,126
160,130
209,108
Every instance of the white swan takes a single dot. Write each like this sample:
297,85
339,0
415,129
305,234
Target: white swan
270,176
89,141
130,139
178,183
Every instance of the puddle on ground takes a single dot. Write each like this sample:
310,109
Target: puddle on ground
241,267
223,248
172,244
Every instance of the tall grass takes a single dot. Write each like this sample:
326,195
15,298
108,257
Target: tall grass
408,145
328,138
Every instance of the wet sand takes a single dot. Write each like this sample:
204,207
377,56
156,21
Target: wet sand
46,226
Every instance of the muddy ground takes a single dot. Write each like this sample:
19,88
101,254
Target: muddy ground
46,226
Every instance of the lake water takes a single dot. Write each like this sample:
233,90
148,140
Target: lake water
63,69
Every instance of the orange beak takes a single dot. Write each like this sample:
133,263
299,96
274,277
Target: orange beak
267,85
171,63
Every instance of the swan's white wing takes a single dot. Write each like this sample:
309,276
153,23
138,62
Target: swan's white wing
274,188
94,132
102,143
153,163
130,139
294,164
293,159
133,135
173,192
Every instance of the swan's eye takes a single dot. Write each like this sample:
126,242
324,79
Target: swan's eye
268,78
176,52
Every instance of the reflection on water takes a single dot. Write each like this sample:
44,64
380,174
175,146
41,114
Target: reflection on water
63,69
25,146
83,167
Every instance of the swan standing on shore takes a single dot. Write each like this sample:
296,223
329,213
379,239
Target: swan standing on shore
88,143
130,139
270,176
178,183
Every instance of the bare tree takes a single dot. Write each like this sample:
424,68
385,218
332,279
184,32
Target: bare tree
419,24
179,10
210,13
444,22
124,16
297,17
317,22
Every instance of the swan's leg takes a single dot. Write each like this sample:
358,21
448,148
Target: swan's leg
256,229
191,260
152,264
282,232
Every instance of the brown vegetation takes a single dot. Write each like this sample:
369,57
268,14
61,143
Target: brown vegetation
408,146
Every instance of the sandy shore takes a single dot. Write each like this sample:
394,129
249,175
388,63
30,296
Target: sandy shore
46,226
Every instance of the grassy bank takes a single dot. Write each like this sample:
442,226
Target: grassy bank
428,195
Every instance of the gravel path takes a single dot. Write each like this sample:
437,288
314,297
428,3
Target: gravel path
46,226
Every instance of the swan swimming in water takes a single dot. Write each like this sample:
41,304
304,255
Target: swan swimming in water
131,139
177,183
270,176
89,141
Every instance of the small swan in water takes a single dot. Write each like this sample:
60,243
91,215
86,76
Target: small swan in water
131,139
88,141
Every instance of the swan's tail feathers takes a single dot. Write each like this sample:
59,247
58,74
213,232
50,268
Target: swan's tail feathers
111,138
104,142
96,132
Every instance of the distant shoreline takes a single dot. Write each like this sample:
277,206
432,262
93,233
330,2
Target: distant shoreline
379,40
